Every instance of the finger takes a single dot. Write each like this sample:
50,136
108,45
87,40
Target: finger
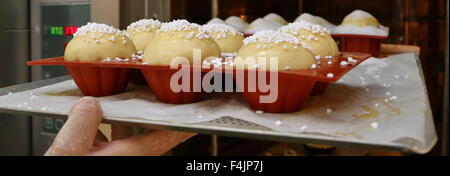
152,143
100,142
78,133
98,145
120,132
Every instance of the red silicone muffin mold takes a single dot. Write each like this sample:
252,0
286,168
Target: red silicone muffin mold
360,43
158,78
292,93
320,87
136,77
108,78
295,86
99,82
93,79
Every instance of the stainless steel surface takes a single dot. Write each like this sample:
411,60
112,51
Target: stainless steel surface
35,143
36,30
13,14
14,55
59,13
40,141
131,11
35,34
14,46
14,129
14,135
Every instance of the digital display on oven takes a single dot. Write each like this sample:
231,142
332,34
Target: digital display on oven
63,31
59,21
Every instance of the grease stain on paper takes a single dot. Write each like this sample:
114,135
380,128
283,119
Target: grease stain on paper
70,92
371,113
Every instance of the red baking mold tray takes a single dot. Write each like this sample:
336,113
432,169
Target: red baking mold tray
158,77
293,92
108,78
99,82
319,87
360,43
93,78
100,78
136,77
295,86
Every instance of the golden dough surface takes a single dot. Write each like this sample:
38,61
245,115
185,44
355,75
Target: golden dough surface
177,39
143,32
94,42
227,37
318,38
268,44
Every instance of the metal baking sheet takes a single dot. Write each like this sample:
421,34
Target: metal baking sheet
227,126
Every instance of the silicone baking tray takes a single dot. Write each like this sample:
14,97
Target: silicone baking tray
98,82
319,87
360,43
158,77
93,78
136,77
294,86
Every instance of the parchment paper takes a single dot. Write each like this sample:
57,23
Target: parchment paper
380,100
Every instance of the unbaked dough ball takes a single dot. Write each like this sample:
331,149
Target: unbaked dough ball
291,52
142,32
360,18
94,42
261,24
315,20
273,17
227,37
236,22
216,21
361,23
315,36
177,39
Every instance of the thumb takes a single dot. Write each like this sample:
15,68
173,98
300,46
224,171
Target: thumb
77,135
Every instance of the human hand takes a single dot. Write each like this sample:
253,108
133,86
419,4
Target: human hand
80,136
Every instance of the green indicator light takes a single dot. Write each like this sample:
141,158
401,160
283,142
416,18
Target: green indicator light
56,31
